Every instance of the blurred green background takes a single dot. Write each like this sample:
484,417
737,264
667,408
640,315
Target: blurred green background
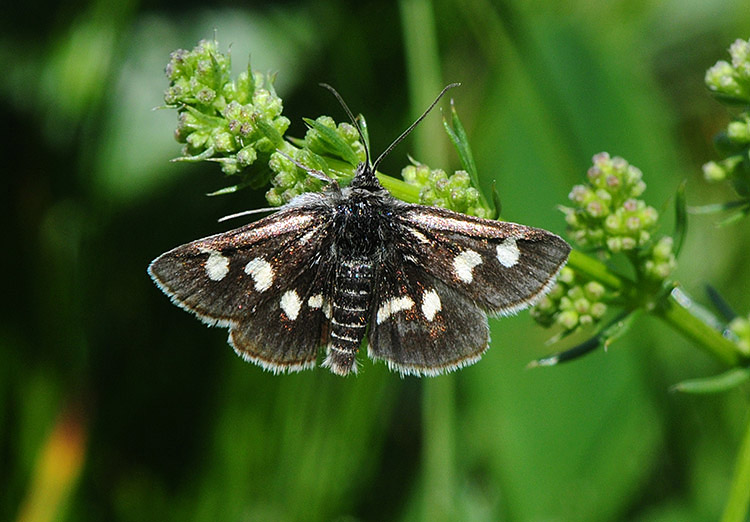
116,405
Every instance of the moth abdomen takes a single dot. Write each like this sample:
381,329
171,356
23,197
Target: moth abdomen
350,307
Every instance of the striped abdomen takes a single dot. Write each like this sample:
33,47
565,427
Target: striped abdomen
349,313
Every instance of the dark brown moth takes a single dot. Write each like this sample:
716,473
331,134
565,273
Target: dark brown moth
330,269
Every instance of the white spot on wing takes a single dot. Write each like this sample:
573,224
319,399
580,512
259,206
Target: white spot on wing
315,301
217,265
464,263
417,234
508,253
431,304
304,239
393,306
290,304
261,272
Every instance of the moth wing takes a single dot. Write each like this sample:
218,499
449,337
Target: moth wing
502,267
257,281
285,332
421,326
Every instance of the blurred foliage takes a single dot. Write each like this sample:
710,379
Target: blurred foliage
115,405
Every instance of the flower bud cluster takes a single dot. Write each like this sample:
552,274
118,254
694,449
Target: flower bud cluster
346,132
659,261
453,192
317,150
607,212
609,215
289,180
740,326
228,121
734,143
732,80
571,303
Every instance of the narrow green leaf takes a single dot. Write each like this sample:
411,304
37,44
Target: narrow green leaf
680,225
605,336
269,131
735,217
568,355
716,383
460,140
363,128
338,146
496,203
618,327
229,190
720,207
206,154
457,134
721,304
738,503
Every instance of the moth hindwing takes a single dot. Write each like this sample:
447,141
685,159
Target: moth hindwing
331,269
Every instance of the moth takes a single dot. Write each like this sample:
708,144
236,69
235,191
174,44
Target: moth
331,269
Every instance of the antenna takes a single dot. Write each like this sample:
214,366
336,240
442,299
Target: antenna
352,118
411,127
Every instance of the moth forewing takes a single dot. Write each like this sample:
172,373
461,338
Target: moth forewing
503,267
263,281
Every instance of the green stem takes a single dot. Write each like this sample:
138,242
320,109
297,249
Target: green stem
676,308
400,189
423,75
738,503
596,270
679,311
438,406
438,453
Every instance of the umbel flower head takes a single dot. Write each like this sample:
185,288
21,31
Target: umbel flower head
731,81
453,192
607,212
231,122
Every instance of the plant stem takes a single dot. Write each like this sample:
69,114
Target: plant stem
438,406
679,311
399,189
738,503
438,455
596,270
423,75
676,308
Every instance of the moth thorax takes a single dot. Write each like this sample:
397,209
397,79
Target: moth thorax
349,313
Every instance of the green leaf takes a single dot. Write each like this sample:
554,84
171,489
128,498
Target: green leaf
460,140
721,304
269,131
339,147
606,335
206,154
680,226
618,327
496,203
229,190
716,383
363,129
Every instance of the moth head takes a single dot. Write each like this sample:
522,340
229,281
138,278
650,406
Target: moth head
364,178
